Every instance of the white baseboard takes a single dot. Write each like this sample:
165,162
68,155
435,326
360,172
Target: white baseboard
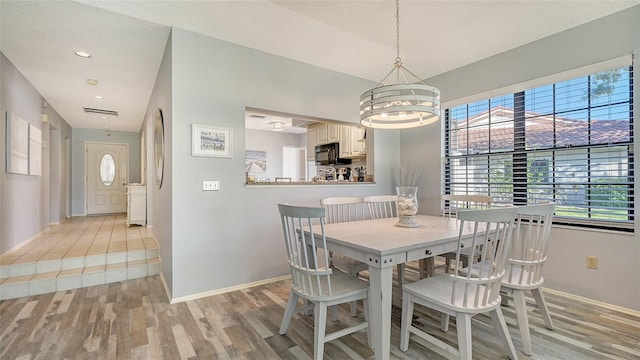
164,283
621,309
229,289
61,221
22,244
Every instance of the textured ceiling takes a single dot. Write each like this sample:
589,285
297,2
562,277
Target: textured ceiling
127,39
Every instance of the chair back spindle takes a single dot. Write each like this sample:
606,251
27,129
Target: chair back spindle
343,209
529,249
381,206
451,204
490,240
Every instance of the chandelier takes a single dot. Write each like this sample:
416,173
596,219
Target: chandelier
277,126
402,105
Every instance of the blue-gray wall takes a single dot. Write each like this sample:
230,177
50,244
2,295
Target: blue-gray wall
79,138
221,239
24,199
159,199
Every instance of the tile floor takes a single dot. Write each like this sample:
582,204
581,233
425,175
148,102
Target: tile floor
79,252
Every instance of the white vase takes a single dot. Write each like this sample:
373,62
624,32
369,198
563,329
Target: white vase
407,206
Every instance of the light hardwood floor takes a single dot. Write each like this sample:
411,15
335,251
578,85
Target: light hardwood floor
133,320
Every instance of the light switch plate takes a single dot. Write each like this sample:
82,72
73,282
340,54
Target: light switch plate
210,185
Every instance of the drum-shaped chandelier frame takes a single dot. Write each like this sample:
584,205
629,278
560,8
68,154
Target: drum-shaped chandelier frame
407,104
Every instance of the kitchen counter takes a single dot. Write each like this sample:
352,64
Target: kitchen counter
307,183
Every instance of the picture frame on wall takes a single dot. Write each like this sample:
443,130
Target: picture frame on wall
211,141
35,150
255,162
17,144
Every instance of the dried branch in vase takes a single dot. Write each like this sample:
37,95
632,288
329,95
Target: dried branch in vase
407,175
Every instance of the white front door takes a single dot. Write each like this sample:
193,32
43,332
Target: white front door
106,176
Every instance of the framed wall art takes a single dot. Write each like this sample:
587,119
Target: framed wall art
17,144
255,161
35,150
211,141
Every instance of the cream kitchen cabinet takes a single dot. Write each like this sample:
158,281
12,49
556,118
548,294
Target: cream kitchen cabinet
351,141
311,143
136,204
358,141
321,134
327,133
333,133
345,141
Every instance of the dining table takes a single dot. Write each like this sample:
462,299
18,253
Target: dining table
382,245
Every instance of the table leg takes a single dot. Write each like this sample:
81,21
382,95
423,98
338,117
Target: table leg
380,281
427,267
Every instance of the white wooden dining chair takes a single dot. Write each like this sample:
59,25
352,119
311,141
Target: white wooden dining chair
464,295
319,285
451,204
382,207
344,209
525,263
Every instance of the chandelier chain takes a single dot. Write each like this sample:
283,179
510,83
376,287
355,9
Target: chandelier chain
398,61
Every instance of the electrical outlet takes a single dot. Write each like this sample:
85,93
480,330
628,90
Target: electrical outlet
592,262
210,185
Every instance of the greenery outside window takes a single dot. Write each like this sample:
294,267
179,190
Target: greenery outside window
570,142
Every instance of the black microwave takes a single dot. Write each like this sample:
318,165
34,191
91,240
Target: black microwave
328,154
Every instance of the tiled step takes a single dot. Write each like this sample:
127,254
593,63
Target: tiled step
51,272
67,279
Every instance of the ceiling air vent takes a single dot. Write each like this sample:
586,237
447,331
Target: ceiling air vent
100,111
257,116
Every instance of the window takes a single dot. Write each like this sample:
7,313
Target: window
570,142
107,169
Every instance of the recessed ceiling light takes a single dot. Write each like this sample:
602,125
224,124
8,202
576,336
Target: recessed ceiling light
83,54
99,97
92,82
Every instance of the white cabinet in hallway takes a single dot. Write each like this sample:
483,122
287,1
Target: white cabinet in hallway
136,204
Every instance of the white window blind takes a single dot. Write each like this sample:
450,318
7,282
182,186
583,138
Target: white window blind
570,142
